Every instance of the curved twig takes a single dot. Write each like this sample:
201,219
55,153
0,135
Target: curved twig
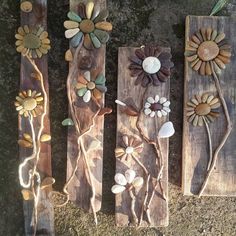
132,207
226,135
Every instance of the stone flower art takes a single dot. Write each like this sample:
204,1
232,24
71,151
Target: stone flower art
88,88
89,25
156,106
29,103
201,108
206,47
32,41
151,65
129,147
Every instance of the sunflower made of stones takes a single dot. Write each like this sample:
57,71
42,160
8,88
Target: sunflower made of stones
151,65
208,49
32,41
201,108
29,103
89,25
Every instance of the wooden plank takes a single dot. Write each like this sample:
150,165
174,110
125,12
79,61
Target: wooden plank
222,180
79,189
126,125
45,221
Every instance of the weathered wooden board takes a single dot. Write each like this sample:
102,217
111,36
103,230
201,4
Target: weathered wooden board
222,181
127,125
79,188
45,225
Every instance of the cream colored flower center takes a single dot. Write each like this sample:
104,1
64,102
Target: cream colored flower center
91,85
203,109
129,150
208,50
31,41
29,104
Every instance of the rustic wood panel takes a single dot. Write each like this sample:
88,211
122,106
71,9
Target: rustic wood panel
127,125
222,181
45,224
79,188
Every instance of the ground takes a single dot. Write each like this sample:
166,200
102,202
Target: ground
136,22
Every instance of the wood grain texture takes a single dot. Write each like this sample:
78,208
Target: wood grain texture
127,125
79,188
45,208
222,182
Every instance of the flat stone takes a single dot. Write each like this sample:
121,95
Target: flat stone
75,41
151,65
87,96
70,33
120,179
208,50
117,189
68,122
73,16
26,6
25,143
166,130
203,109
100,80
45,138
130,175
102,16
103,36
91,85
95,40
137,182
69,24
103,25
89,9
87,26
68,55
29,104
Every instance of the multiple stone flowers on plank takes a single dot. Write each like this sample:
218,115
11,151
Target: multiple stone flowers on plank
32,41
151,65
89,26
90,88
29,103
157,106
201,108
208,49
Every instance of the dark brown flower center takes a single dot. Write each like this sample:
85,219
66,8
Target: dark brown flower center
203,109
208,50
87,26
156,107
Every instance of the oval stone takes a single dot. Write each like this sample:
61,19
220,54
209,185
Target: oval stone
151,65
68,122
95,40
45,138
167,130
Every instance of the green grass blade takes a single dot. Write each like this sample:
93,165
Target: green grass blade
219,5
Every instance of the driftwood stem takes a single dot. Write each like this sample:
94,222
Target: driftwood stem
132,207
226,135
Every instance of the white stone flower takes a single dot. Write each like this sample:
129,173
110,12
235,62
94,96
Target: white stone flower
126,181
157,106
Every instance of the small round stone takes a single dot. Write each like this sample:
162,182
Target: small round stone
151,65
208,50
26,6
87,26
29,104
202,109
129,150
91,85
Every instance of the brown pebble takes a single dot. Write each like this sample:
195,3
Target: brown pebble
213,35
203,33
196,39
68,55
225,60
208,68
208,33
220,63
225,53
203,68
104,26
25,143
195,120
197,66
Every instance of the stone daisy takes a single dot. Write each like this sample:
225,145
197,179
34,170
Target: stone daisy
208,49
29,103
127,181
150,65
157,106
32,41
130,146
89,25
202,107
86,87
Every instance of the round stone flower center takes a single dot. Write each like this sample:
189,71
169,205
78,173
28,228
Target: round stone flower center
151,65
203,109
208,50
31,41
156,107
129,150
29,104
91,85
87,26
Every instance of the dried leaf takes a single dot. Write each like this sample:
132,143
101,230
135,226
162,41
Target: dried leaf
218,6
47,182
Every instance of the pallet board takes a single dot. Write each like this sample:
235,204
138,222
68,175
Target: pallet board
79,188
45,225
195,143
126,125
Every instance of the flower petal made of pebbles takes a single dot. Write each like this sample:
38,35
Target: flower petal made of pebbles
120,179
117,189
130,175
87,96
